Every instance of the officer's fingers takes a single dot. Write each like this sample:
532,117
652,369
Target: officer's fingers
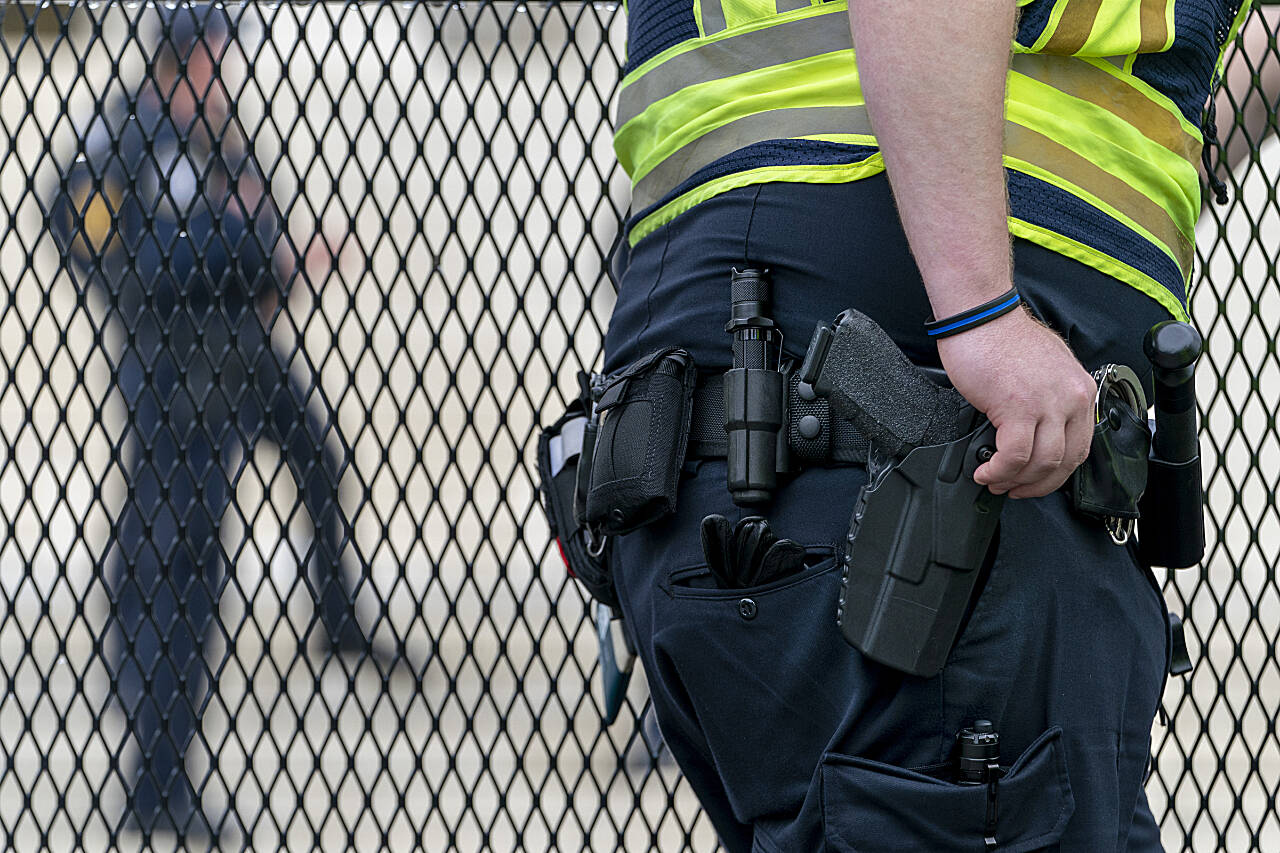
1014,443
1076,438
1047,468
1079,438
1045,485
1078,397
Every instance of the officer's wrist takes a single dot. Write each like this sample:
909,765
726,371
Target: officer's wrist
955,290
975,316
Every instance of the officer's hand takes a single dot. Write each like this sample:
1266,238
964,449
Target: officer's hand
1027,381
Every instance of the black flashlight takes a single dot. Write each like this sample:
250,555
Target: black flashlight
753,390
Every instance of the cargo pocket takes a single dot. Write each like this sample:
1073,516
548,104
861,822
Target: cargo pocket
868,806
764,673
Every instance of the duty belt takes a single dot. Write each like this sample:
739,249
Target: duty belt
921,526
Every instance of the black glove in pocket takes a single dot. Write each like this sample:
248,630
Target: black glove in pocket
640,442
749,554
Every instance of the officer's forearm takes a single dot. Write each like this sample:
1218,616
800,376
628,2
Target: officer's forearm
933,75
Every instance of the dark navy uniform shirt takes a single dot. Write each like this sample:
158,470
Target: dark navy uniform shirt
160,218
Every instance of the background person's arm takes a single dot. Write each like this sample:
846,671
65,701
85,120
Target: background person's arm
933,74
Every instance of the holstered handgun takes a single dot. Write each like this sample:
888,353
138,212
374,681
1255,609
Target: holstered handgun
919,535
921,527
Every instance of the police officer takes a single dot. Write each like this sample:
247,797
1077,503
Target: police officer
754,138
167,222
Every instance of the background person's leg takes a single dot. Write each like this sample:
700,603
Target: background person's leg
164,569
282,412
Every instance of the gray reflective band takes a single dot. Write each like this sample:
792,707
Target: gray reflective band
792,5
748,130
751,51
712,17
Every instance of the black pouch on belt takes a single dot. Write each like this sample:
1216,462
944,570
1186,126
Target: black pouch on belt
643,413
1113,478
560,453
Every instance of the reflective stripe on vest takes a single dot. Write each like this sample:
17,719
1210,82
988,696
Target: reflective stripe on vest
1108,28
1081,124
715,16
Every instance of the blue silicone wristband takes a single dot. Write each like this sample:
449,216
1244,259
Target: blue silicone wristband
974,317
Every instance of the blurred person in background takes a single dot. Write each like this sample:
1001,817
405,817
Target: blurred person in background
166,219
1247,101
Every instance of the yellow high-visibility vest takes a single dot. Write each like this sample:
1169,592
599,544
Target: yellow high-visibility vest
1102,133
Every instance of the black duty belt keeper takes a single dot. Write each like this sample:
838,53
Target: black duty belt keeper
642,420
815,437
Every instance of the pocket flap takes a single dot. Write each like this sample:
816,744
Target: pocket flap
869,806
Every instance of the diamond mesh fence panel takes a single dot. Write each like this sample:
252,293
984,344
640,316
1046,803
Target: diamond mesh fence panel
287,287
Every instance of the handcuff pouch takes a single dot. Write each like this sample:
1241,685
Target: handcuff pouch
1112,479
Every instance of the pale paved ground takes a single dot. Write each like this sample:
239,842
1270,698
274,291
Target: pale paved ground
438,376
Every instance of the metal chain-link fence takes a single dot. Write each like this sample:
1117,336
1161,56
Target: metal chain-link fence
288,287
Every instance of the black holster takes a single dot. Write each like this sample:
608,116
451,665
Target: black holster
922,527
920,532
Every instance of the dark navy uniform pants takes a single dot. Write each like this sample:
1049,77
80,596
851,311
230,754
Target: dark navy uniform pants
792,740
194,405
